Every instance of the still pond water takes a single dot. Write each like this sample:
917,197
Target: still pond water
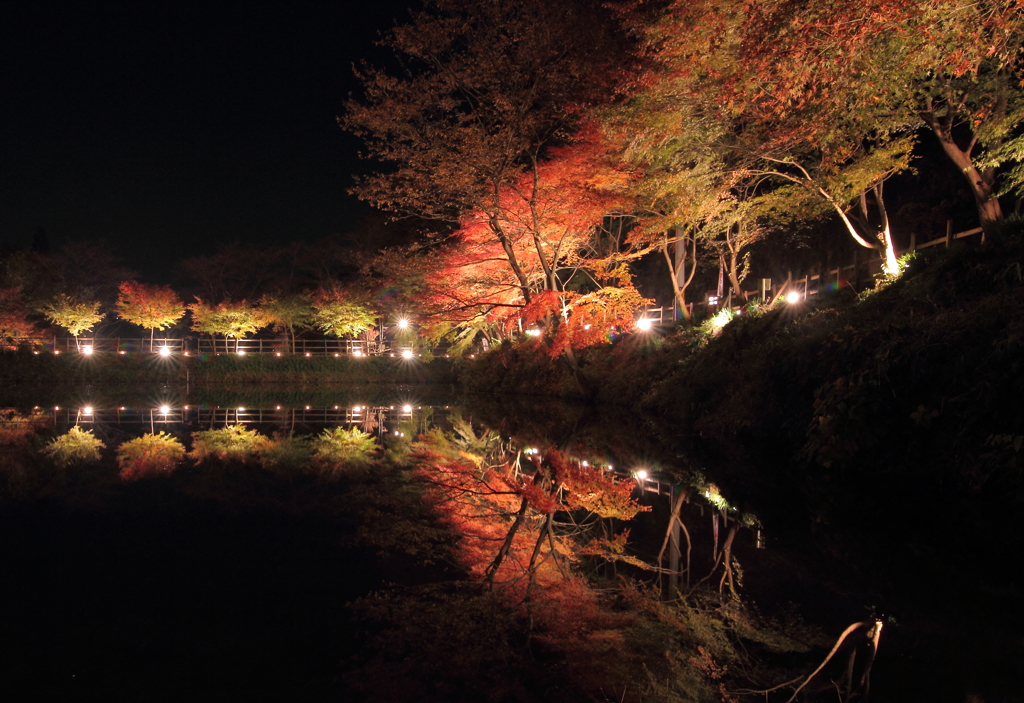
201,585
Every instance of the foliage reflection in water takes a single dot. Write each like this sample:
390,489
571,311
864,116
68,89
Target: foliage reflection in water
608,555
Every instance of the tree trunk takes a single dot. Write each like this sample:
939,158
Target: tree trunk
492,568
982,183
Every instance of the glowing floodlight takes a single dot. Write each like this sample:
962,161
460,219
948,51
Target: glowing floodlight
407,354
641,474
644,325
277,354
533,332
56,352
357,353
308,354
87,349
165,409
793,297
403,324
406,408
87,410
241,409
165,351
241,352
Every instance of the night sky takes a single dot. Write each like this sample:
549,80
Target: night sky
168,130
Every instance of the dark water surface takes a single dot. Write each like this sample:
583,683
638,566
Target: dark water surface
232,584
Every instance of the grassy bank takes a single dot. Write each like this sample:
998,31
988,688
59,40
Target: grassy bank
41,370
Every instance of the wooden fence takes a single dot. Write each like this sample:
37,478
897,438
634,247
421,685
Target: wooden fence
860,272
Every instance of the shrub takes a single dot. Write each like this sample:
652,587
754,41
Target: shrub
288,453
337,447
78,446
233,443
149,455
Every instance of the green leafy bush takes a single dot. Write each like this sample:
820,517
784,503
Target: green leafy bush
288,453
149,455
233,443
78,446
337,447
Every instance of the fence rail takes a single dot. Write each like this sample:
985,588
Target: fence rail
861,269
174,346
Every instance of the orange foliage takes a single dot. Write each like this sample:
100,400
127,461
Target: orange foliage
483,505
539,224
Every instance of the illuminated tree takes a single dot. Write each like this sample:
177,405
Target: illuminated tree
717,157
228,319
14,323
288,313
76,317
486,88
952,65
150,307
338,313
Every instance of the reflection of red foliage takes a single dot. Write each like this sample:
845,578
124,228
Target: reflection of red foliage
502,514
149,455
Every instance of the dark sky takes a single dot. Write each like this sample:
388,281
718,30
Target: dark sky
168,130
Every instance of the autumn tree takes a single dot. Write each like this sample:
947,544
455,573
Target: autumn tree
150,307
14,322
950,66
229,319
74,316
484,90
717,156
288,313
341,314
